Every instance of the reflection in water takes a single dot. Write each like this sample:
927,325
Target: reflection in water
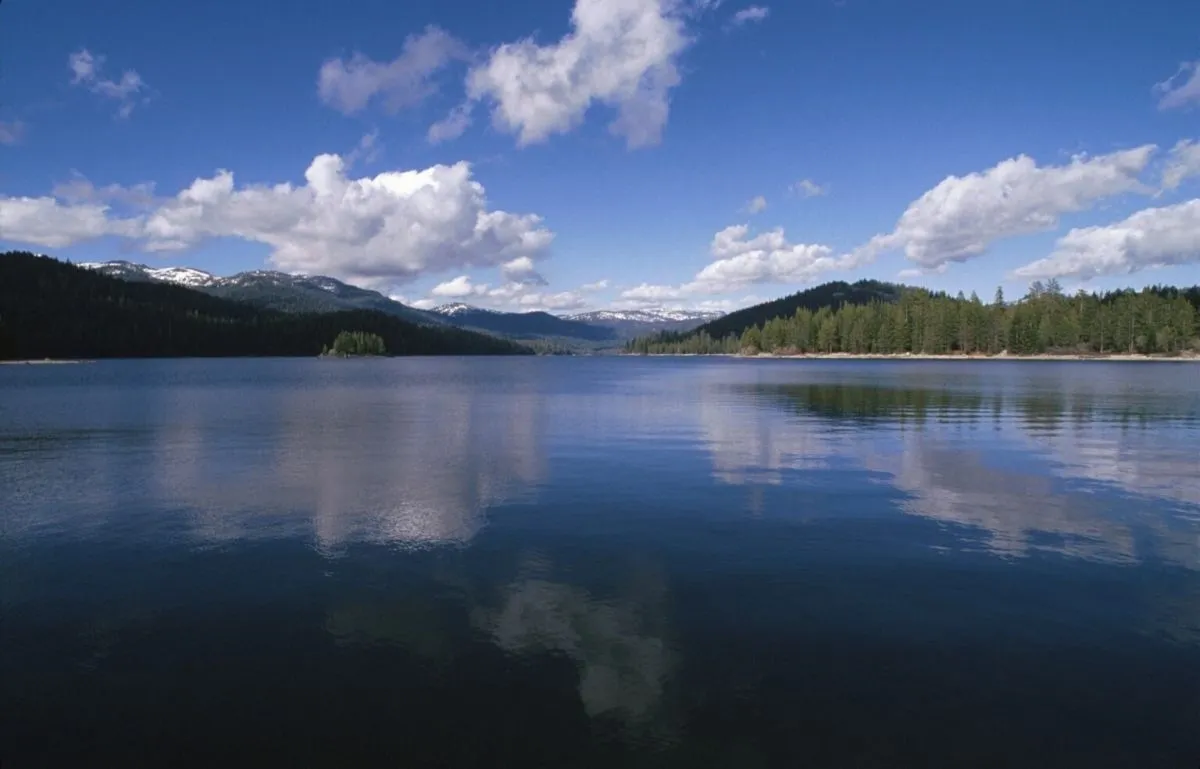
659,624
1019,511
404,465
929,443
623,662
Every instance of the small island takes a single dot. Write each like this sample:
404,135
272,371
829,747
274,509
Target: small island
355,344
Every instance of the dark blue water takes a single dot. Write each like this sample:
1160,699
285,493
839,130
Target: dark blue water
600,563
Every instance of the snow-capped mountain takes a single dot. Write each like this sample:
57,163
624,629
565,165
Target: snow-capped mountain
318,293
646,316
631,323
270,289
458,308
183,276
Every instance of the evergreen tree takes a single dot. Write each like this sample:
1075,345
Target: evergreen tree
1157,320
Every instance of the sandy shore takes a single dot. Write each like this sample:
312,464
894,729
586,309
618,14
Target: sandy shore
1189,358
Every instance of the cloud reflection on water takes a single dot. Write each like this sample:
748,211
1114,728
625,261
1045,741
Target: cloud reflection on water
992,461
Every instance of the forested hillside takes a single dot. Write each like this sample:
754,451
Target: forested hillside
51,309
832,295
1157,320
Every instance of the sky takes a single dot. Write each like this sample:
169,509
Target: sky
586,154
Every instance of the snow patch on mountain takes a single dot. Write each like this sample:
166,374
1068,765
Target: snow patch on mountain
458,308
183,276
645,316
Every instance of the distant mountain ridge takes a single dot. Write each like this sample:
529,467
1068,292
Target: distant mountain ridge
289,293
633,323
53,309
270,290
525,325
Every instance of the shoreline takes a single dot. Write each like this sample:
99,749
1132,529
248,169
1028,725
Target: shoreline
1117,358
43,362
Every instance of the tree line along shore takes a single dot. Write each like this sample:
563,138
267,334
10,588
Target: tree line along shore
1154,323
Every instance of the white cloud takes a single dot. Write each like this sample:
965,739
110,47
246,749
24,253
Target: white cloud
1181,89
349,85
807,188
752,13
1153,237
764,258
621,53
962,216
375,231
648,296
452,126
521,270
647,293
11,131
512,295
424,304
80,190
757,205
86,69
46,222
1184,161
458,288
599,285
740,261
547,302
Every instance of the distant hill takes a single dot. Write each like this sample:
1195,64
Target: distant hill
270,290
52,309
632,323
832,295
524,325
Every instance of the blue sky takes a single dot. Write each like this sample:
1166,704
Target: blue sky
611,144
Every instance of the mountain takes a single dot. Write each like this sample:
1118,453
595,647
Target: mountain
632,323
270,290
524,325
832,295
52,309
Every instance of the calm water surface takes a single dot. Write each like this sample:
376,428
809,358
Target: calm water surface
600,563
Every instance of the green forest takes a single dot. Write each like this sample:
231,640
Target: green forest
1156,320
356,343
52,309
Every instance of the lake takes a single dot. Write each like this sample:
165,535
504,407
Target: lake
600,562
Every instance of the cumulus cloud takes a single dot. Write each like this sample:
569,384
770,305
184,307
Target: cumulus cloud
80,190
1183,161
620,53
750,14
47,222
375,231
512,295
349,85
769,257
11,131
1153,237
757,205
807,188
87,72
1181,89
963,216
457,288
452,126
599,285
741,260
521,270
